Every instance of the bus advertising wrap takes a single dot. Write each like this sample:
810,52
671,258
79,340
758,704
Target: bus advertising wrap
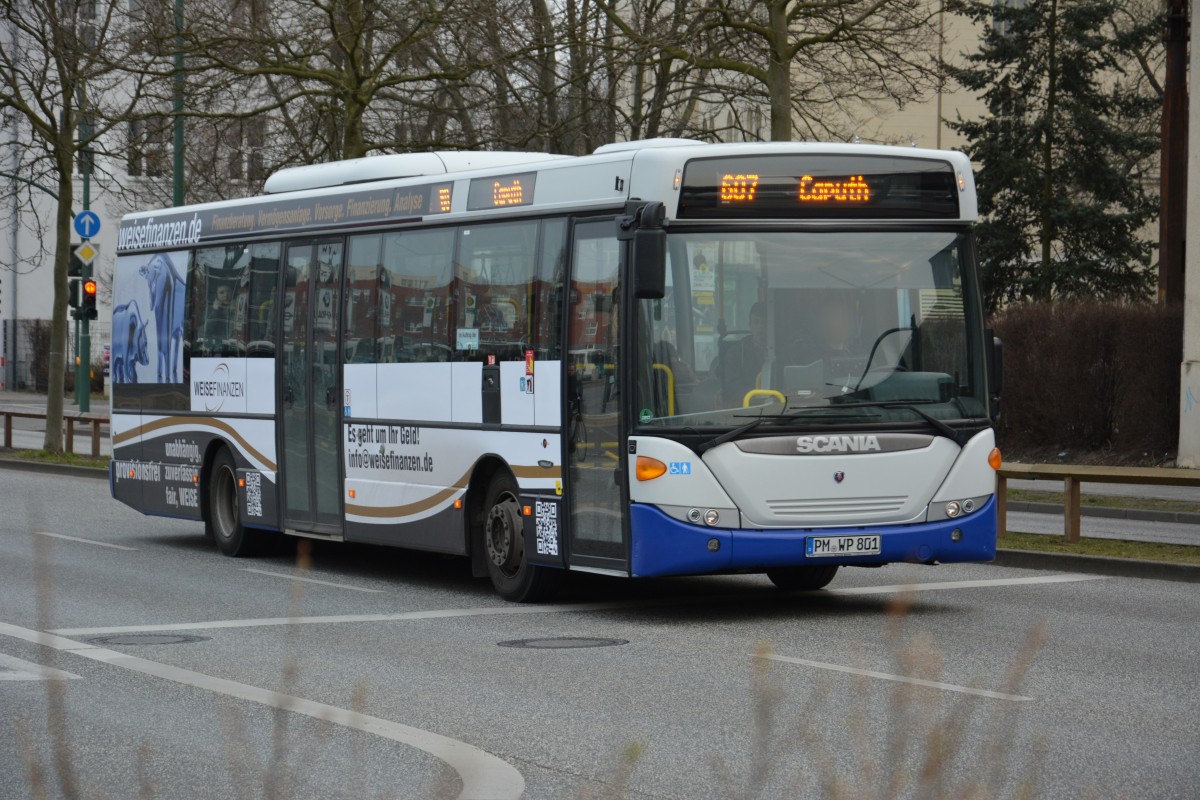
213,223
150,297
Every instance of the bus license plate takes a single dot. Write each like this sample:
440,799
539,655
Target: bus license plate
818,546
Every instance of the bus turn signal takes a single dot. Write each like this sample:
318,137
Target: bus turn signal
649,468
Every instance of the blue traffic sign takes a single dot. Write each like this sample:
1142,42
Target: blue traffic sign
87,224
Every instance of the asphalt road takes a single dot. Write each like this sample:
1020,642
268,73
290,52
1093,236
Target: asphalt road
379,675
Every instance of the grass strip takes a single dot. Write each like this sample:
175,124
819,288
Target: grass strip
1111,548
70,459
1106,501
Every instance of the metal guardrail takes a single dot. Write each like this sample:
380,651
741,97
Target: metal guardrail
71,417
1073,475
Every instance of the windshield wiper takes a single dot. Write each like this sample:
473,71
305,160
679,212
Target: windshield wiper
953,434
738,432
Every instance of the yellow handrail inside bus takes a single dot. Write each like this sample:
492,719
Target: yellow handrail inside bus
670,388
763,393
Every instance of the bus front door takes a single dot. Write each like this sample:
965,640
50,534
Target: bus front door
310,385
595,495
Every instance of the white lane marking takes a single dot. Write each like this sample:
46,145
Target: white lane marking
84,541
483,775
885,676
308,580
16,669
402,616
984,584
549,609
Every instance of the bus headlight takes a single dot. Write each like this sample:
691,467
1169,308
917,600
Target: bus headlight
711,517
955,509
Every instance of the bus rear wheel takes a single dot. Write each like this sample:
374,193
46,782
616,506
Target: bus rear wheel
224,521
802,579
512,575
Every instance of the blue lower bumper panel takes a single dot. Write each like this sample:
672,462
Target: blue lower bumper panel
663,545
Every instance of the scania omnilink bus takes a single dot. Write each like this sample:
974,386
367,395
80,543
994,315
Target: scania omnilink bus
664,358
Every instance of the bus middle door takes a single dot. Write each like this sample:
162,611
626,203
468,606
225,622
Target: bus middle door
310,440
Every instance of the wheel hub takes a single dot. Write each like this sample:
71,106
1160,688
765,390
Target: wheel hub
503,535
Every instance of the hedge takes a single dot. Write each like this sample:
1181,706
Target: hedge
1091,376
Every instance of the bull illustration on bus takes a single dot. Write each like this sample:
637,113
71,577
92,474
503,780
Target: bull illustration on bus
129,343
167,303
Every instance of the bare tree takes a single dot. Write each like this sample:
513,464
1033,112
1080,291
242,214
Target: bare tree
71,72
318,68
808,62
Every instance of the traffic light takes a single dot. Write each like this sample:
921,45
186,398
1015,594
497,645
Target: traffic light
75,266
73,292
87,302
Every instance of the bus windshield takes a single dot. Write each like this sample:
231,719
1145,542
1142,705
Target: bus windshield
812,329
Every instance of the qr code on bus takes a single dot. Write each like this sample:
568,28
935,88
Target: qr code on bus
546,520
253,494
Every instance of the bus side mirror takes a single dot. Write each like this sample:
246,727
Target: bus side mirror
650,254
995,370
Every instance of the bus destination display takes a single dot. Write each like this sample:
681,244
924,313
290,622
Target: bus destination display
501,191
819,187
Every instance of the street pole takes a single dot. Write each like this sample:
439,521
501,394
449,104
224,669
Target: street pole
177,165
83,341
1189,373
1173,192
85,337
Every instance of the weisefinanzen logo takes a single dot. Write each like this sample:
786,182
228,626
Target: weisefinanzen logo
219,387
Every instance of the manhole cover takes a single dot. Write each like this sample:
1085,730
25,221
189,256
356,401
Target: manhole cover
563,643
149,638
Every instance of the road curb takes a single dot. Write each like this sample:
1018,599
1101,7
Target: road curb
56,469
1100,565
1139,514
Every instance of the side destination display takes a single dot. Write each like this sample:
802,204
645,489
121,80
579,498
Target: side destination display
282,214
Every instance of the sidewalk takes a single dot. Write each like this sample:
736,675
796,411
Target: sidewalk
1184,493
28,434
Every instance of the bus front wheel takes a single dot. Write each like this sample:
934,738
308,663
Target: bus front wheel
802,579
224,521
513,576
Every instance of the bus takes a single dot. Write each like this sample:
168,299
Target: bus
663,358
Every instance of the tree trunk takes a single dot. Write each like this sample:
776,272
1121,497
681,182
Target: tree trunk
1048,233
779,72
353,143
547,91
64,165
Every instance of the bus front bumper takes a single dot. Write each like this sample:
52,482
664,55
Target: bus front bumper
663,545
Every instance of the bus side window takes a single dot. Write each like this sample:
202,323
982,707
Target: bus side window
367,314
495,273
415,291
261,307
548,300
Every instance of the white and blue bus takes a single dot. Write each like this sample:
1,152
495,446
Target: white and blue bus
664,358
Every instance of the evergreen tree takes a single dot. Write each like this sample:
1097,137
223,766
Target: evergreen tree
1064,150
